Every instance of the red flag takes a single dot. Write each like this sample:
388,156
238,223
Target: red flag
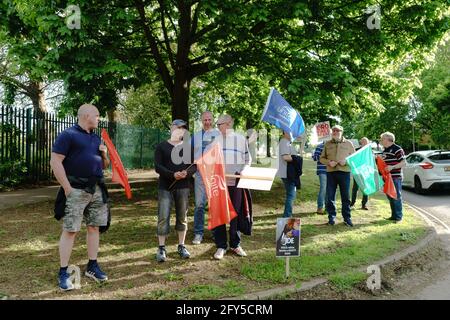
119,174
389,188
212,169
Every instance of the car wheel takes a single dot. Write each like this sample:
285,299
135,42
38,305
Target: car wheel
418,186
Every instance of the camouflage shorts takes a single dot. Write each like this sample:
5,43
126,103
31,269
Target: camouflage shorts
83,206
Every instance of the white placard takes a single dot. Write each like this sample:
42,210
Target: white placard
257,178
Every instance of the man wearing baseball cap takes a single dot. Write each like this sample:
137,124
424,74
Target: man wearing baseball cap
173,185
338,174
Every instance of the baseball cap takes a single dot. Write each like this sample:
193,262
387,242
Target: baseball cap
338,127
179,123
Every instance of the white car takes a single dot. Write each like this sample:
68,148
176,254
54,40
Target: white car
427,169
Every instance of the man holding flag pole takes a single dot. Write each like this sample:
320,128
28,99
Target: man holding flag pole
394,157
280,113
365,198
175,166
235,158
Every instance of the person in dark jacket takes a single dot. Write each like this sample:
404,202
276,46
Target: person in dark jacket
322,174
173,185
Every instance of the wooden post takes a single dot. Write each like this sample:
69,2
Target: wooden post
287,267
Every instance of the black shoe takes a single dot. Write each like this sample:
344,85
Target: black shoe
330,223
348,223
390,218
364,208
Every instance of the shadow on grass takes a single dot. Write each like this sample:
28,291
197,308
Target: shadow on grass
29,251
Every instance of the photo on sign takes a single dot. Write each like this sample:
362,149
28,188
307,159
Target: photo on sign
288,237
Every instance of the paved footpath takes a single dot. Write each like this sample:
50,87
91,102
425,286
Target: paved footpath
435,205
35,195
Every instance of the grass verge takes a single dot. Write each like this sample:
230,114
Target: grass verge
29,249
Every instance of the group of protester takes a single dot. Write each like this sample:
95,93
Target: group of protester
174,183
78,159
333,171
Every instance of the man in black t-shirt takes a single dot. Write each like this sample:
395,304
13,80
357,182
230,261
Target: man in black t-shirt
394,156
173,184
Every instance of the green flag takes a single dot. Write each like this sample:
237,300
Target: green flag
365,171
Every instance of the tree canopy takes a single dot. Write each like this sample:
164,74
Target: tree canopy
434,95
327,58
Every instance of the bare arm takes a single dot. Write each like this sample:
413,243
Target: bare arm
401,164
397,166
104,154
60,174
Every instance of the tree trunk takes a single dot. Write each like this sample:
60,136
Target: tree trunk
36,94
111,115
112,125
180,100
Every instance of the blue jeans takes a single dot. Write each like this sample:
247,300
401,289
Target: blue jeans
181,199
396,205
200,204
322,190
341,179
291,192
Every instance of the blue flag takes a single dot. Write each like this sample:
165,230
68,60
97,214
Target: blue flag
279,113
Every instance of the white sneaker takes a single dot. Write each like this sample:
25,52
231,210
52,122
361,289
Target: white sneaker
219,254
239,251
197,239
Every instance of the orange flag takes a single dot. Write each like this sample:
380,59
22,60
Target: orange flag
389,188
119,174
212,169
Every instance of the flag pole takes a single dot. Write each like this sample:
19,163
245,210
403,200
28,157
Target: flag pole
173,183
267,103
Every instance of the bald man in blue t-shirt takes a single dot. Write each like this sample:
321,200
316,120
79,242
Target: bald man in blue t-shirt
78,159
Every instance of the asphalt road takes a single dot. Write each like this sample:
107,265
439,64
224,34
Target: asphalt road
438,205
